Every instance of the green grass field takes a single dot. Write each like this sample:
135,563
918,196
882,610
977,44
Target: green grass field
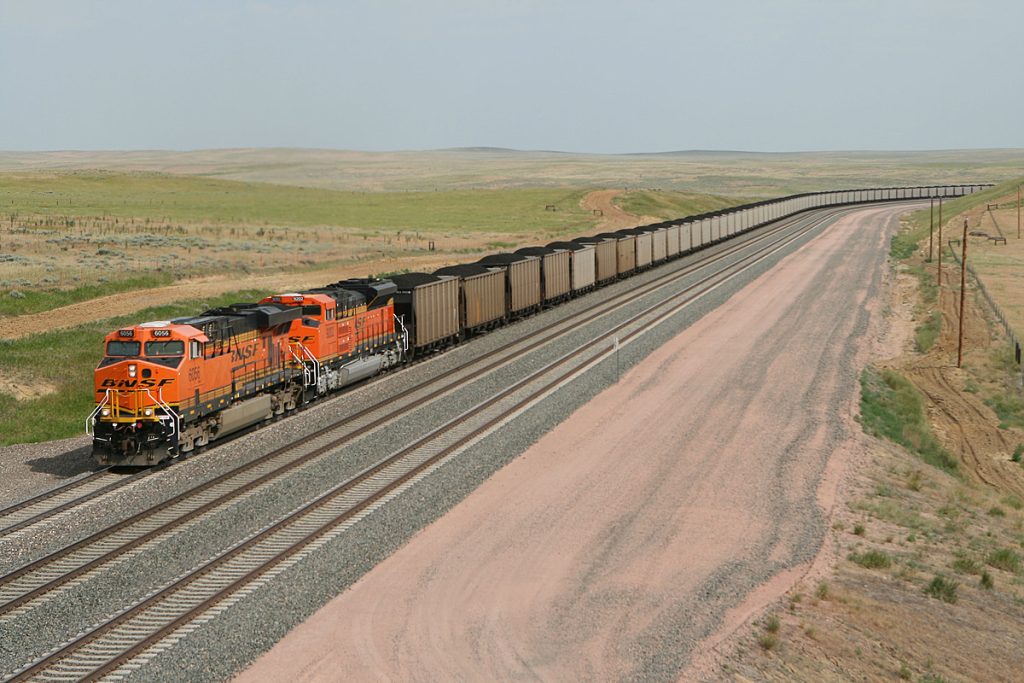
38,300
65,360
721,173
157,199
674,204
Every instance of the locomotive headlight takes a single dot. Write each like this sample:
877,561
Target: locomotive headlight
148,412
131,370
105,412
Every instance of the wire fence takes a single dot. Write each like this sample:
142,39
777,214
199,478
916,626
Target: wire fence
1014,340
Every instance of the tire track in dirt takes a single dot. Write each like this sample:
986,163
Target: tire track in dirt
967,427
963,423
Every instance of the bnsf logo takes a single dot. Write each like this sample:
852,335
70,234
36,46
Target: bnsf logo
300,340
132,383
244,353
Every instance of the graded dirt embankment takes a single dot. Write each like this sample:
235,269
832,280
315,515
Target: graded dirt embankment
644,523
929,585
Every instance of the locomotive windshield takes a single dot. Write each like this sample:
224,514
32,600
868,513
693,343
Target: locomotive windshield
123,348
165,348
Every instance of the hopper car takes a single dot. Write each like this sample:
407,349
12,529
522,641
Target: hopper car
167,388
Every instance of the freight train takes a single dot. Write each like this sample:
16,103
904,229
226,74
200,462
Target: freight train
168,388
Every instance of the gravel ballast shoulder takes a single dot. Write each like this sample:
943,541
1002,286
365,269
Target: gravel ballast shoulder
241,633
230,642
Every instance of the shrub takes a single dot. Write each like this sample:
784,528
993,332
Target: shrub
892,408
858,529
772,624
872,559
942,588
1017,452
986,581
966,565
927,332
1005,559
1009,408
821,592
996,511
767,641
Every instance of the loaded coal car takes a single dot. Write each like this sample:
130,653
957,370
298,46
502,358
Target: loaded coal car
346,333
689,236
625,252
554,272
482,304
643,251
428,307
606,258
671,239
168,387
582,265
522,284
659,241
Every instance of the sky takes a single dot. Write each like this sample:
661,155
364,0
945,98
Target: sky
580,76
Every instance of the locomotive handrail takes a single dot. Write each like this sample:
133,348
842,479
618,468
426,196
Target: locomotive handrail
175,418
91,420
310,370
313,362
400,319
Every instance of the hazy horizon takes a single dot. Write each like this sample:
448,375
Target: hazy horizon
513,150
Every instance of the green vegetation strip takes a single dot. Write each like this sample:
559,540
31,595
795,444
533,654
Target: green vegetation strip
669,205
890,407
162,198
35,300
65,360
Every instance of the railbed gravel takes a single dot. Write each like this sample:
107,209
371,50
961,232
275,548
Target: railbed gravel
234,639
230,642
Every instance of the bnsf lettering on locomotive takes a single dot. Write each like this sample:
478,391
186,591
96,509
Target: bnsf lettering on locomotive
133,383
244,353
300,340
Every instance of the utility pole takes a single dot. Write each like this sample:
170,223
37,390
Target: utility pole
931,226
939,269
963,292
1018,212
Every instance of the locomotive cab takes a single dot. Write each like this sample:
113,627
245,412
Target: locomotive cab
137,389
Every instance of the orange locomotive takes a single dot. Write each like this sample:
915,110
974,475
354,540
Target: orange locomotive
168,387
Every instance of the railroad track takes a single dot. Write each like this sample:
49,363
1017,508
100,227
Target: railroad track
66,499
170,613
45,505
24,588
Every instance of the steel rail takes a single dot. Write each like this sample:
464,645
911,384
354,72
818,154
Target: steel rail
26,512
272,546
754,234
46,575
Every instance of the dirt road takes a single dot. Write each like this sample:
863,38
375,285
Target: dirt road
664,512
612,217
126,303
